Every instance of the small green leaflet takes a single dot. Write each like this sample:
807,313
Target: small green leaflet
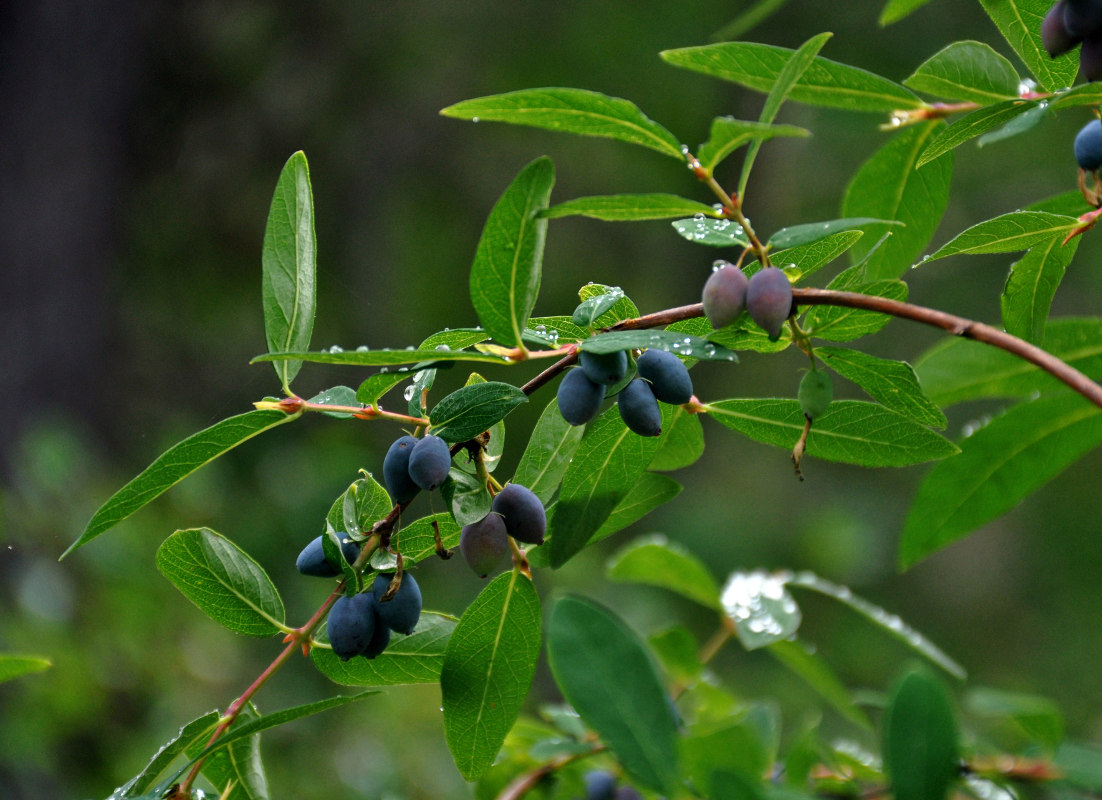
174,465
809,258
972,125
417,541
895,10
761,608
237,763
336,396
656,561
13,666
1031,285
824,83
676,342
571,111
288,262
748,20
548,453
222,580
957,370
1038,718
606,673
889,185
628,207
728,134
359,507
556,331
884,620
1009,233
417,658
840,324
683,443
508,263
1019,21
193,733
1026,121
711,232
999,465
488,668
851,431
379,384
969,71
920,739
594,307
892,383
467,497
811,232
469,411
1087,94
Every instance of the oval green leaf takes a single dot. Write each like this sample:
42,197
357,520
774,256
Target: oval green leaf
656,561
628,207
417,658
969,71
920,739
469,411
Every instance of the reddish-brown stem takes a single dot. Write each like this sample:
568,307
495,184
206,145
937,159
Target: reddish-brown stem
527,781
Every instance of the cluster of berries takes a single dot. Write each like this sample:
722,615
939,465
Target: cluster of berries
662,376
1070,22
767,297
414,464
516,512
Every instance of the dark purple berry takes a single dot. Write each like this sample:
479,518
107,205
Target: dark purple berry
522,512
769,300
1054,34
1088,146
312,560
1081,18
396,470
429,462
600,784
579,397
604,368
668,377
401,612
484,544
725,295
351,625
639,408
1090,57
380,638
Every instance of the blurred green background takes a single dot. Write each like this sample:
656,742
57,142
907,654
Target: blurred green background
141,143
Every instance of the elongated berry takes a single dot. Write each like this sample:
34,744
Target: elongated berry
579,397
815,393
639,408
604,368
668,377
401,612
484,544
1054,33
312,561
429,462
724,295
1088,146
396,470
769,300
380,637
351,625
522,512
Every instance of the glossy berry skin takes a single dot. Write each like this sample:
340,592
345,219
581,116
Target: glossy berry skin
484,544
1081,18
769,300
381,637
639,408
1090,57
396,470
1088,146
604,368
600,784
668,377
815,393
351,625
401,612
1054,34
311,561
579,397
429,462
522,512
724,295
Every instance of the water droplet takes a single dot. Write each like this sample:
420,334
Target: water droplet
717,207
698,217
684,149
363,348
541,329
475,119
409,392
336,349
719,264
442,347
709,350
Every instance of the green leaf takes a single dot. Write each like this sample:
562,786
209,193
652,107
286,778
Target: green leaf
956,370
920,739
452,339
999,465
359,507
557,331
890,186
337,396
851,431
467,497
895,10
607,464
1031,285
571,111
892,383
174,465
793,70
711,232
417,658
1038,718
191,734
365,357
886,621
1026,121
627,207
824,83
222,580
1087,94
683,443
748,19
972,125
488,668
1019,21
809,258
797,235
760,607
289,263
13,666
728,134
969,71
606,673
550,448
237,762
814,670
505,276
417,541
595,306
656,561
1009,233
469,411
841,324
1081,765
676,342
726,762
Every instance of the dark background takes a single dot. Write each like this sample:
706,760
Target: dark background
139,146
